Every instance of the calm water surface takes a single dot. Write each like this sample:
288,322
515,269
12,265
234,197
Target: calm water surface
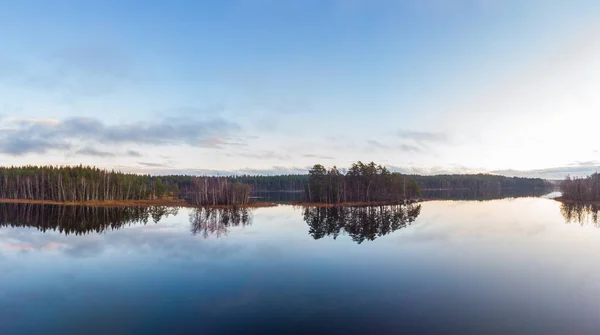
521,266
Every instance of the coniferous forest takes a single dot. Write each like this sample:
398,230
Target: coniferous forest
360,183
81,183
479,182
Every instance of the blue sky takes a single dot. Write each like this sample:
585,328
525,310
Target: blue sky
276,86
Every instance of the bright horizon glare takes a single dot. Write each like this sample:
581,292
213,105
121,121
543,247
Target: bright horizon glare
262,86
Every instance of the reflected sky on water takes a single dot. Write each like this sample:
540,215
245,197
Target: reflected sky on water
494,267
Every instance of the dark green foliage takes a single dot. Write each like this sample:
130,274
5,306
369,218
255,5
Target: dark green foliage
78,220
479,182
360,223
76,183
290,182
83,183
362,183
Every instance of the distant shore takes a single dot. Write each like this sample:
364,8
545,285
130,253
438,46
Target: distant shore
130,203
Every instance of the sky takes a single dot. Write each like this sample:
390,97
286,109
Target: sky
267,86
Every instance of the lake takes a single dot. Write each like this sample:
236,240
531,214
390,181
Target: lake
517,265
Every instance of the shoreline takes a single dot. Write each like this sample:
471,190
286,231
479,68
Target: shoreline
352,204
184,204
575,202
132,203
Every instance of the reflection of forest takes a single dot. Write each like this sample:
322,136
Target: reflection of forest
217,221
580,213
78,219
81,220
361,223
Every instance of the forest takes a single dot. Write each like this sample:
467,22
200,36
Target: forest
480,182
289,182
361,183
83,183
581,189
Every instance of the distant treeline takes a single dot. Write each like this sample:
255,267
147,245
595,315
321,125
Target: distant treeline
480,182
83,183
289,182
581,189
361,183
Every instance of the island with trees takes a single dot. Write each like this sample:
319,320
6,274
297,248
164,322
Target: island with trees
361,184
583,190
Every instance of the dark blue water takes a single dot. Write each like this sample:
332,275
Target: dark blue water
519,266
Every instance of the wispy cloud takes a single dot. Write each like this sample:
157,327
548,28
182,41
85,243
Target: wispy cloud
16,146
433,170
35,136
150,164
586,163
374,144
422,136
133,153
218,143
261,154
89,151
552,173
317,156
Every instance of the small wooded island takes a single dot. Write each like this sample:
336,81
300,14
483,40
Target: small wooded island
361,184
585,189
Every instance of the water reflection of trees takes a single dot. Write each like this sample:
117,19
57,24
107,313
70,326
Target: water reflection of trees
360,223
79,219
217,221
580,213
